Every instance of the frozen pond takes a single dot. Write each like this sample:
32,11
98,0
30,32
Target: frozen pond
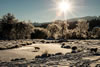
28,51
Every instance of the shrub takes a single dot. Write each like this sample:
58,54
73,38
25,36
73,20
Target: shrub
54,30
96,32
58,29
24,30
40,33
82,29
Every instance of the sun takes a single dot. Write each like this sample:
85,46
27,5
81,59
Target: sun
64,6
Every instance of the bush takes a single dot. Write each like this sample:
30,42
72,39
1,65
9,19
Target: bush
82,29
40,33
54,30
24,30
58,29
96,32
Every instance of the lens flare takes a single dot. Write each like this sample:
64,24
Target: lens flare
64,6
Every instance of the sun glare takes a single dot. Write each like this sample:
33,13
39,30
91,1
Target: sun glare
64,6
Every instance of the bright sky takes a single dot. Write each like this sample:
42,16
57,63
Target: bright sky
43,10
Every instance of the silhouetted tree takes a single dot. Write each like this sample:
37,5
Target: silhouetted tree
10,28
94,23
8,18
24,30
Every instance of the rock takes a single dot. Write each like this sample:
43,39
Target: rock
58,54
68,47
42,41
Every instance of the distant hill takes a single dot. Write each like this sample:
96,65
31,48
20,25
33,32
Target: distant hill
85,18
71,21
44,24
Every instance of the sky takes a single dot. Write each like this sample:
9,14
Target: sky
43,10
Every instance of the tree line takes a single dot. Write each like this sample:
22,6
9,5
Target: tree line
12,28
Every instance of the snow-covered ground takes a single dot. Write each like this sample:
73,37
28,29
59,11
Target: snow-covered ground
83,58
28,52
